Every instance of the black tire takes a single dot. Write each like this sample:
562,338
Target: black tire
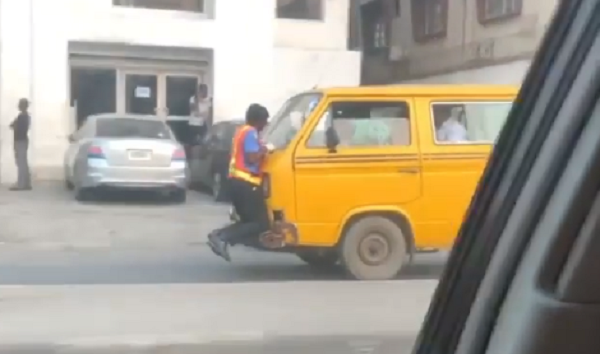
373,248
83,194
179,196
319,259
218,187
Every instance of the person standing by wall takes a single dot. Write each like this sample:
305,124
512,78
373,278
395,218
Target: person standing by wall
20,127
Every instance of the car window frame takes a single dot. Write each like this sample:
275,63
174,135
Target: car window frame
329,121
434,130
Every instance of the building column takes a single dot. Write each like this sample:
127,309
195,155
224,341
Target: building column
15,75
243,56
34,65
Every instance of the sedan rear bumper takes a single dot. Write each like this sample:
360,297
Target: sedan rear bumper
173,177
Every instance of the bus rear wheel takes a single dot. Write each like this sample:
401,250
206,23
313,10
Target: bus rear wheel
373,248
319,258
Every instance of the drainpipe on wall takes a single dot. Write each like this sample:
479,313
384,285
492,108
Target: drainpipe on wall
1,121
463,41
357,14
32,139
31,51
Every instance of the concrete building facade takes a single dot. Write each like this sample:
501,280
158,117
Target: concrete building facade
73,58
442,41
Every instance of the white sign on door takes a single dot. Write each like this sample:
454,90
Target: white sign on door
143,92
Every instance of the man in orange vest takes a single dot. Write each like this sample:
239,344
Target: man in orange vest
245,181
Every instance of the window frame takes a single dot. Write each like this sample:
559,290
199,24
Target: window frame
433,129
484,18
203,11
320,17
329,103
418,19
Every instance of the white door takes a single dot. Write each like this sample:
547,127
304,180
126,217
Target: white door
138,93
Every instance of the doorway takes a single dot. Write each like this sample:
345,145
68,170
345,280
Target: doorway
166,95
93,91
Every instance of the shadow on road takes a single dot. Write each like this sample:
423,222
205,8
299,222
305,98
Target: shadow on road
185,266
254,273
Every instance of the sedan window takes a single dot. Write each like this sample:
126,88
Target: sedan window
132,128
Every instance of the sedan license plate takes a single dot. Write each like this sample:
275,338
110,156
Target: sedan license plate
140,155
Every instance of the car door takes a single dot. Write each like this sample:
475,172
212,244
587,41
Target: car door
202,155
197,158
222,148
524,274
378,154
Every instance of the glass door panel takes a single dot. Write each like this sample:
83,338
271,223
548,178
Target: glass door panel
141,96
179,89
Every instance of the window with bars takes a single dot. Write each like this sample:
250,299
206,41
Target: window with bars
299,9
379,36
429,19
496,10
173,5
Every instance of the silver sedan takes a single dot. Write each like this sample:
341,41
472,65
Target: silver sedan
125,152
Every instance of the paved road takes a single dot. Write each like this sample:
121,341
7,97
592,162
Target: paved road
328,315
184,265
49,218
384,344
48,239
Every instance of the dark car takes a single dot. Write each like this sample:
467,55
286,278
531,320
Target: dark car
209,159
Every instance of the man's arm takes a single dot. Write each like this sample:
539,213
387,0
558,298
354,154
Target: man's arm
193,105
253,149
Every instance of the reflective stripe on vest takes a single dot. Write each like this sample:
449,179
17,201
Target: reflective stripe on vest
237,164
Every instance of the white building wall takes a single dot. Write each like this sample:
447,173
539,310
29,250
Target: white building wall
329,33
255,59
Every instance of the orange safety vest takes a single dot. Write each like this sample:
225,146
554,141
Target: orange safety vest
237,164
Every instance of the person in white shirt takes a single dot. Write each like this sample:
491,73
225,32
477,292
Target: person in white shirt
201,112
452,130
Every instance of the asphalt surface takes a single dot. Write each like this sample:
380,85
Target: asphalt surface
129,241
384,344
48,238
185,265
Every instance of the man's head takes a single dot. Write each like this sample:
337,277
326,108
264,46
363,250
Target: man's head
202,91
257,116
23,105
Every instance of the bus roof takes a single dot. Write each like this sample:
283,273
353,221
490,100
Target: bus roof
422,90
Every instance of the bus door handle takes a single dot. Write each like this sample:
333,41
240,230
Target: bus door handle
409,170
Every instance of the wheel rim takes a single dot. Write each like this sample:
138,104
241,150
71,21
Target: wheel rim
374,249
216,187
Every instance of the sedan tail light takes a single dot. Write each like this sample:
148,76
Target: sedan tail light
95,152
178,155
